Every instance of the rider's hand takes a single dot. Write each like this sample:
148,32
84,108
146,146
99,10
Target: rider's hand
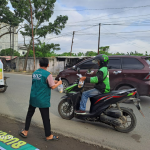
82,78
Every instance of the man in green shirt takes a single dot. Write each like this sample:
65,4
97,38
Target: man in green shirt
42,83
101,81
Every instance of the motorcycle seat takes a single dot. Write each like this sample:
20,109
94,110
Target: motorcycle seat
113,92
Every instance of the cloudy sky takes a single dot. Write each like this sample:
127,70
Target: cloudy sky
125,25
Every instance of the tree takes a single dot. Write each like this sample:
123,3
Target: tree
80,54
90,53
45,50
8,52
66,54
7,16
105,48
42,11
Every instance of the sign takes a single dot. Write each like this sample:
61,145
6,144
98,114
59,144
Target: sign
1,73
9,142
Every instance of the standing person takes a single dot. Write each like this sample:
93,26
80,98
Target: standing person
101,81
42,83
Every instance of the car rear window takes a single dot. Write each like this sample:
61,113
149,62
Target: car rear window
131,63
88,65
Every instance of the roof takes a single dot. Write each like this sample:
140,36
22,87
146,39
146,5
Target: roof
79,57
133,56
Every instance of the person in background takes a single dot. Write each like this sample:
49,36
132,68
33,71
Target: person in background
42,83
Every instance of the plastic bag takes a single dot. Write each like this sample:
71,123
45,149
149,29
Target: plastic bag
60,87
81,83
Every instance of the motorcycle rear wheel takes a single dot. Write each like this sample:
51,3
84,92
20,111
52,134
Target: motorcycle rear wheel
65,109
128,114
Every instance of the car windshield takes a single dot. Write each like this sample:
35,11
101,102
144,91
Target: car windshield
148,61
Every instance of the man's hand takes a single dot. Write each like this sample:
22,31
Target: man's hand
59,82
56,81
56,84
82,78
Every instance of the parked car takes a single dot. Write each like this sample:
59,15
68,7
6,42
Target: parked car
124,72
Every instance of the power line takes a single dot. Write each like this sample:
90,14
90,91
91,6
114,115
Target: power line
125,39
147,21
116,32
105,8
71,33
102,16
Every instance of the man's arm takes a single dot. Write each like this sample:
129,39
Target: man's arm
53,84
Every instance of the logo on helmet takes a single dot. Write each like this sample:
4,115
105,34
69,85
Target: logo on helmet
105,58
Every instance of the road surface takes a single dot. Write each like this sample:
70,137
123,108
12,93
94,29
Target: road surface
14,102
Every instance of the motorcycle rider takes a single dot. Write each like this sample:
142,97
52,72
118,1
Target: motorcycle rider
101,80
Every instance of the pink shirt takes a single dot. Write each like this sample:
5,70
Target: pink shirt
50,80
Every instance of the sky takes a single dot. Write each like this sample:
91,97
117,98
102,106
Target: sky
125,25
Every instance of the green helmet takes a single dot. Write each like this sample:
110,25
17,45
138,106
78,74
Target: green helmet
102,58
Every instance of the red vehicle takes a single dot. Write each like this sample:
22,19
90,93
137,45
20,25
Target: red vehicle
124,72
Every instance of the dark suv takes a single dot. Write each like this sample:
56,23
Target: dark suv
124,72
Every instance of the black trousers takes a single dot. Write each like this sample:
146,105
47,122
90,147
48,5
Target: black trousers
45,118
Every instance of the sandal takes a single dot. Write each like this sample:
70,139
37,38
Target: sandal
21,134
54,138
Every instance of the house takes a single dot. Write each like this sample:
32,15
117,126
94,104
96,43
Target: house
22,50
5,39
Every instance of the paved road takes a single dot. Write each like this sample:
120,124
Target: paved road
15,103
37,139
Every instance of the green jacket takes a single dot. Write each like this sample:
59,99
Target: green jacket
40,90
101,80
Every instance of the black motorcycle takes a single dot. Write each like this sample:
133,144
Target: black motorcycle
104,108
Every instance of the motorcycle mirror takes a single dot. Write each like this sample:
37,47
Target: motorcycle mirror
90,72
74,68
78,70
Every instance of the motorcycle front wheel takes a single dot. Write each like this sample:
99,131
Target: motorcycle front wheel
65,109
128,119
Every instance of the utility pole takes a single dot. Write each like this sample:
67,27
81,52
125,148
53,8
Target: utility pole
32,34
99,38
10,43
72,43
13,42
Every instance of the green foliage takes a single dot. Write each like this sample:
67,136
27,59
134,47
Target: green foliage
66,54
7,16
42,10
90,53
8,52
80,54
45,50
105,48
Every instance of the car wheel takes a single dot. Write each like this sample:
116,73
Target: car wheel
65,84
125,87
